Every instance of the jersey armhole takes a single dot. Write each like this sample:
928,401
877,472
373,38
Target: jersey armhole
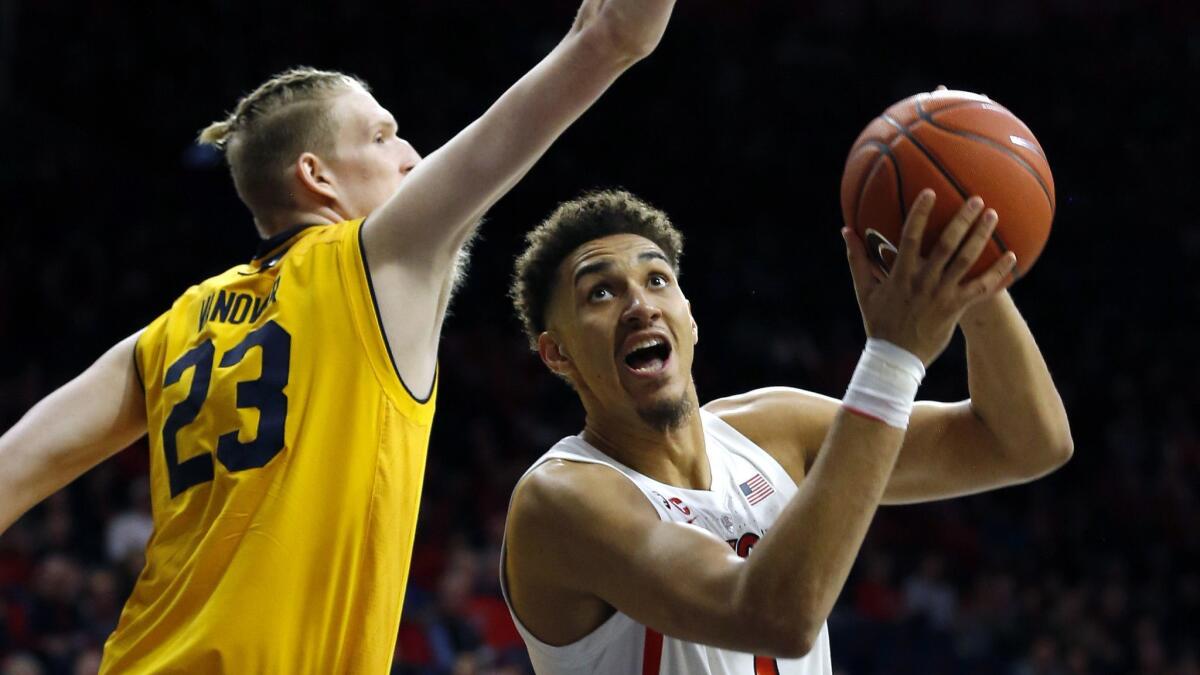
587,648
152,331
137,363
364,304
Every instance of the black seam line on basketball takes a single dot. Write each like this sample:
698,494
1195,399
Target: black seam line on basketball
938,165
929,119
960,105
929,155
362,252
886,151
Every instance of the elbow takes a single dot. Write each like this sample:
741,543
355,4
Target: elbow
780,632
1058,448
793,641
1062,452
1058,444
797,647
1052,453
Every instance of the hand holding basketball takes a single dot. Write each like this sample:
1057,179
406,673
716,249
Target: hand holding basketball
958,144
920,302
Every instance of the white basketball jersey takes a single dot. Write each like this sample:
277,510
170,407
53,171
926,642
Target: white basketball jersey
749,490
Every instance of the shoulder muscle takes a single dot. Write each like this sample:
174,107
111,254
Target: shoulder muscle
789,423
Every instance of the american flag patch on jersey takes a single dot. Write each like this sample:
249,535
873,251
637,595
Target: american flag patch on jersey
756,489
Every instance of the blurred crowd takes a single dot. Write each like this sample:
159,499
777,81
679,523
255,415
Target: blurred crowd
738,128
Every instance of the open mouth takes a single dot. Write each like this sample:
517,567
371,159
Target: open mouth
649,356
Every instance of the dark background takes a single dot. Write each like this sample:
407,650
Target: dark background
738,127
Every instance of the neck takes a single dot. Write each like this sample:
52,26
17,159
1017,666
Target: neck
675,456
277,222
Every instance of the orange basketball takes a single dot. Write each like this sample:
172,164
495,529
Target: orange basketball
959,144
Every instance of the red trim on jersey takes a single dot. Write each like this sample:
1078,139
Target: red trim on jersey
765,665
862,413
652,655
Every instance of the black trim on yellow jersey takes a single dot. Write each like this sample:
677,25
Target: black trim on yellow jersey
137,367
362,251
268,245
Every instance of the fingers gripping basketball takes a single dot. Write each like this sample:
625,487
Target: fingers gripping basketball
959,144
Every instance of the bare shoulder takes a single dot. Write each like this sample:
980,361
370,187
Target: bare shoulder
788,423
573,493
567,522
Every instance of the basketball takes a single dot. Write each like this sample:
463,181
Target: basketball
959,144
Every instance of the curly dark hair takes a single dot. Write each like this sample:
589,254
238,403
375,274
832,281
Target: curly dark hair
596,214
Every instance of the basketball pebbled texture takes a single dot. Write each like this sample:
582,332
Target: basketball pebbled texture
959,144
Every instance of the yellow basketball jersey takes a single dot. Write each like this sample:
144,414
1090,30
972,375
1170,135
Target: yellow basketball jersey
286,466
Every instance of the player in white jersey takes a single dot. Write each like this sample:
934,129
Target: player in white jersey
628,546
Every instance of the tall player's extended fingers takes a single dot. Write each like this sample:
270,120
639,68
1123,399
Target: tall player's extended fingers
862,270
969,252
991,281
952,236
909,254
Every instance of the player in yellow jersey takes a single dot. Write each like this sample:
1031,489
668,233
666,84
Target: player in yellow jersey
288,401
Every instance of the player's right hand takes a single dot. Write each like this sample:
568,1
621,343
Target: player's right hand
633,27
917,305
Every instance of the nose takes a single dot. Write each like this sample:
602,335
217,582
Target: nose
641,311
409,157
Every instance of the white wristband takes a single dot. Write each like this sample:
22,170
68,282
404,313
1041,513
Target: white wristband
885,383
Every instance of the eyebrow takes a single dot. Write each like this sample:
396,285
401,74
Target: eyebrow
602,265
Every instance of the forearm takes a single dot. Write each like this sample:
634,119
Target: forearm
505,143
797,572
1012,392
443,198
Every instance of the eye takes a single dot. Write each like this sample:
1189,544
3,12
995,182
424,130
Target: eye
600,292
658,280
379,138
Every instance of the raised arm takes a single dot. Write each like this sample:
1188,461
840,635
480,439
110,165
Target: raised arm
70,431
413,241
1013,428
579,540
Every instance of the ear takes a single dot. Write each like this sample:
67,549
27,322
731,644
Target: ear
554,355
316,177
695,328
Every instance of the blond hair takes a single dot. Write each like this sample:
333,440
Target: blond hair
271,126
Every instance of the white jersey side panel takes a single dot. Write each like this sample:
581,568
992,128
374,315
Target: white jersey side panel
749,490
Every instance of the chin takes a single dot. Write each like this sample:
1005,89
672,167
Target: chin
667,414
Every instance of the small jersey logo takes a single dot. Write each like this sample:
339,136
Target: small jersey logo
744,544
676,504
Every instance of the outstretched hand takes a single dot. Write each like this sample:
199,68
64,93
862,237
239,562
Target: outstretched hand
633,27
917,305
